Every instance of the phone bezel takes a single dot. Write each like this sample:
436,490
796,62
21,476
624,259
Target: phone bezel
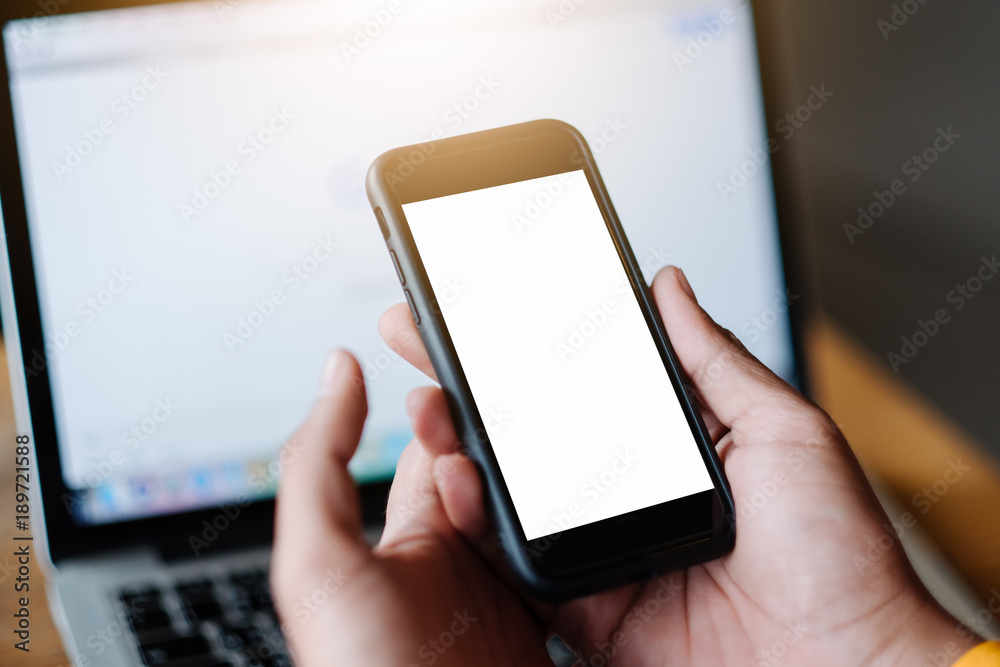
596,555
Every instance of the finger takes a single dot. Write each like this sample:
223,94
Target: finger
728,379
400,333
716,429
432,472
413,489
461,493
454,476
431,420
318,519
412,496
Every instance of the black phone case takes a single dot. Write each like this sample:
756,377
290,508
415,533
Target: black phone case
389,214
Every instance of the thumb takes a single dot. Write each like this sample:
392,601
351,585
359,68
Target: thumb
729,380
318,518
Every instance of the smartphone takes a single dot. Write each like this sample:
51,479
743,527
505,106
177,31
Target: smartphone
559,376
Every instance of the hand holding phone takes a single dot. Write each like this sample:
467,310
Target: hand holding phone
560,378
434,591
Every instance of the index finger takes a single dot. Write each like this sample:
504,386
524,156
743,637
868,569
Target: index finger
400,333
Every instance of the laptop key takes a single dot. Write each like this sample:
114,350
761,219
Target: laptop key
199,600
175,649
281,660
144,597
253,585
267,658
149,621
198,661
241,603
264,648
241,638
145,611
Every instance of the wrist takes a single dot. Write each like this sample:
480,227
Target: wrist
928,636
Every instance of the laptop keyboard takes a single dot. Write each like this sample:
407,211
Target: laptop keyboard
207,622
221,622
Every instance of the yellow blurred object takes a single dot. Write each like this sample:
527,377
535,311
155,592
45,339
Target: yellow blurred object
984,655
944,478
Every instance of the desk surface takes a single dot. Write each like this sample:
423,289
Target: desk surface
896,433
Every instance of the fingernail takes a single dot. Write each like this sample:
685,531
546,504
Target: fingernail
685,285
331,370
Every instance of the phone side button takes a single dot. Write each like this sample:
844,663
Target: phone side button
381,222
413,307
399,269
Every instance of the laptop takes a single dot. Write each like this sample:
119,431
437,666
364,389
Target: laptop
187,235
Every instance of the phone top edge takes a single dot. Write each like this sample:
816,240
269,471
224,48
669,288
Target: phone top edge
382,169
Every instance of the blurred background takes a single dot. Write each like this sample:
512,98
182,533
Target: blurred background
900,73
895,88
889,208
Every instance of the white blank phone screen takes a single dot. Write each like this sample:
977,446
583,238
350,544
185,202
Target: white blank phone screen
571,389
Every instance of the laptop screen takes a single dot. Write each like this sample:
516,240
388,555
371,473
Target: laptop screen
193,176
